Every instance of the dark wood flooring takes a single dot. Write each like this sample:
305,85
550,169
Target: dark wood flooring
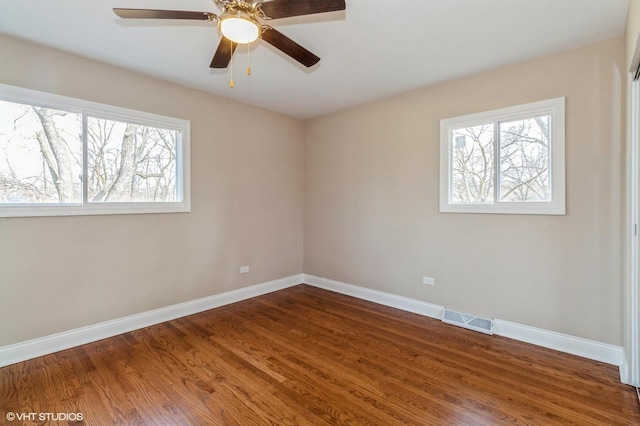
305,356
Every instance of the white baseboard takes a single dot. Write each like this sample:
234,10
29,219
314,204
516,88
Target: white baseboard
380,297
56,342
624,372
585,348
590,349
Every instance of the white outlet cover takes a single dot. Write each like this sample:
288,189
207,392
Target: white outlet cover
428,281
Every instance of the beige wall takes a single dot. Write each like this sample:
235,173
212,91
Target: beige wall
370,205
371,201
633,29
61,273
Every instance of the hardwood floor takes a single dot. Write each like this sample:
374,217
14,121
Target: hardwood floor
305,356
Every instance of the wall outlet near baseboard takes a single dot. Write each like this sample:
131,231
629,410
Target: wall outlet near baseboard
428,281
244,269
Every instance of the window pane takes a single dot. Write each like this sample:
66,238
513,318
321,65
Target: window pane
40,155
130,162
524,160
472,164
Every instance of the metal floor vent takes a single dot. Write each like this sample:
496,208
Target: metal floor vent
482,325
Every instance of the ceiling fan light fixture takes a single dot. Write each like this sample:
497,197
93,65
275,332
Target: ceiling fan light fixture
240,23
239,27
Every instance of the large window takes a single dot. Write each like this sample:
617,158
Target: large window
63,156
504,161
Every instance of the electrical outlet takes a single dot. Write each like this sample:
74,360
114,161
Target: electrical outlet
244,269
428,281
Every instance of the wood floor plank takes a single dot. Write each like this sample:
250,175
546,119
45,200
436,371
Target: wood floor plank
391,358
526,388
306,356
310,352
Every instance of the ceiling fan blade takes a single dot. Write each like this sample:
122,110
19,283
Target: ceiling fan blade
223,53
288,46
276,9
163,14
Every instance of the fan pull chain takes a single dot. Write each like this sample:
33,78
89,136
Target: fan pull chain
231,64
248,60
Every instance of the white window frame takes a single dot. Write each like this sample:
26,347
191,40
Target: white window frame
554,107
87,108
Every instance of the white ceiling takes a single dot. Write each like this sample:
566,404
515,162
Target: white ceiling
372,50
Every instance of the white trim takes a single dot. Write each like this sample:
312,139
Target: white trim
56,342
624,370
380,297
93,109
556,206
632,360
585,348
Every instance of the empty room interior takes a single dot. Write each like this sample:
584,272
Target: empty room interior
419,212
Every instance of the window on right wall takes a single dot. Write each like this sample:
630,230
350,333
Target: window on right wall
509,160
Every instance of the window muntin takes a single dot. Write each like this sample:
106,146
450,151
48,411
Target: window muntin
504,161
64,156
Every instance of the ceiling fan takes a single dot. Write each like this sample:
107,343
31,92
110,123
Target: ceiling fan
240,23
